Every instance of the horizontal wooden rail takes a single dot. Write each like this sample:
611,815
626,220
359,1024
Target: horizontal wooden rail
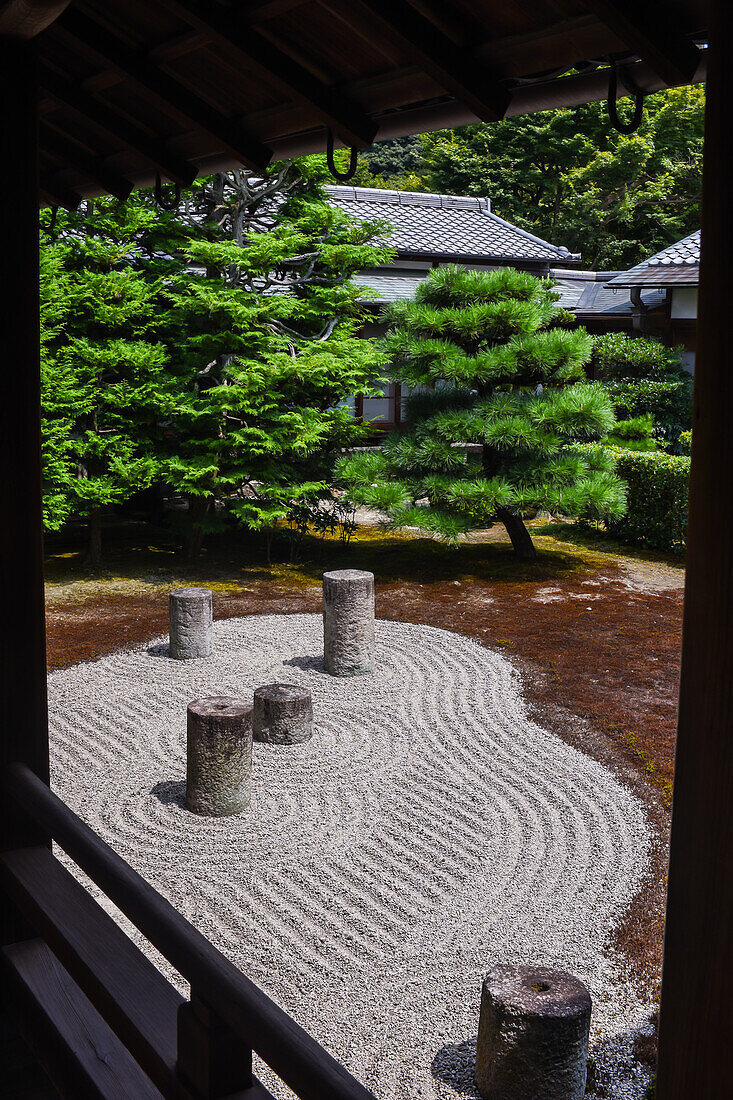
80,1053
135,999
291,1052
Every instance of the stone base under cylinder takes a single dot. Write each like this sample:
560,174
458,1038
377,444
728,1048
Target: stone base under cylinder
533,1035
283,714
219,756
348,622
191,623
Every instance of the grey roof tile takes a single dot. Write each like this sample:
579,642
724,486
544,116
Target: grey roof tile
444,225
676,265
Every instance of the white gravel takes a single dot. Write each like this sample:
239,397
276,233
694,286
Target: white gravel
427,831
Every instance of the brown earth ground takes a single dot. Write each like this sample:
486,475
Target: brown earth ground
593,627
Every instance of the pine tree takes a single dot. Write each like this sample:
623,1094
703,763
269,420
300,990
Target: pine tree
492,365
104,370
262,327
210,349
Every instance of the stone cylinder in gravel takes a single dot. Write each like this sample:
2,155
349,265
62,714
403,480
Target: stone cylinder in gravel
219,756
348,622
533,1035
283,714
191,623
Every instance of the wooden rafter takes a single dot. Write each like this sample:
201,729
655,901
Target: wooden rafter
647,30
232,31
469,80
71,155
23,20
175,98
57,195
117,127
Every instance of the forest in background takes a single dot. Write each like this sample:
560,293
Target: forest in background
567,175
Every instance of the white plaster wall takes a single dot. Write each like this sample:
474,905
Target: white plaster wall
684,302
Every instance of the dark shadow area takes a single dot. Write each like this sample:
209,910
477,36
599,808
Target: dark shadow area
23,1075
171,792
160,649
136,550
454,1063
311,664
590,537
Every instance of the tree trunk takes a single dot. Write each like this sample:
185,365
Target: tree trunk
198,508
94,551
524,548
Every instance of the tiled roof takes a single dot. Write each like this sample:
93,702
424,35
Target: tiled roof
585,293
593,293
445,226
388,286
676,265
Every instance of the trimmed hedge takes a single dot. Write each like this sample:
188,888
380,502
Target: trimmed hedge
656,515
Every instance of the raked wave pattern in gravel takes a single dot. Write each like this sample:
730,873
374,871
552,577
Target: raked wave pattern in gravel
427,831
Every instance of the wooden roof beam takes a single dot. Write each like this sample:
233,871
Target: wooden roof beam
645,27
57,195
175,98
117,127
72,156
468,79
24,19
230,28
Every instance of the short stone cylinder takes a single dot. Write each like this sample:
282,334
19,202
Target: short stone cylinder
219,756
348,622
191,623
533,1035
283,714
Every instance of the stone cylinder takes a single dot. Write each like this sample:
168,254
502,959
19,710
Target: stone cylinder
533,1035
348,622
191,623
219,756
283,714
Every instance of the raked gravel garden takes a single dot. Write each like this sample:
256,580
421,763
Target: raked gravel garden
429,830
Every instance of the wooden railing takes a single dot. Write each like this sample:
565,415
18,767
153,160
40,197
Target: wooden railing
107,1022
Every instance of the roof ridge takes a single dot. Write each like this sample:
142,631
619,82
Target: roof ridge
408,198
561,250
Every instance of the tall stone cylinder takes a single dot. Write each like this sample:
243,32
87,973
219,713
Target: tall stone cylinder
533,1035
219,756
191,623
283,714
348,622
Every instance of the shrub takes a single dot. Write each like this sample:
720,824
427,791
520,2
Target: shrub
645,378
636,434
657,499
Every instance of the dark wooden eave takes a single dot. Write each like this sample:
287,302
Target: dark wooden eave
183,87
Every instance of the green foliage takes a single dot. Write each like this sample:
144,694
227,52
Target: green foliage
616,355
568,176
491,371
645,379
103,372
657,486
636,434
210,348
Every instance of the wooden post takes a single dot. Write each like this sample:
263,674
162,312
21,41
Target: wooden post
696,1026
24,734
212,1061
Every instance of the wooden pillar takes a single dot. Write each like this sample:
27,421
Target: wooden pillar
24,733
696,1026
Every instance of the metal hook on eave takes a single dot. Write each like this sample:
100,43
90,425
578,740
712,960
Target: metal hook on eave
343,177
166,204
634,122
